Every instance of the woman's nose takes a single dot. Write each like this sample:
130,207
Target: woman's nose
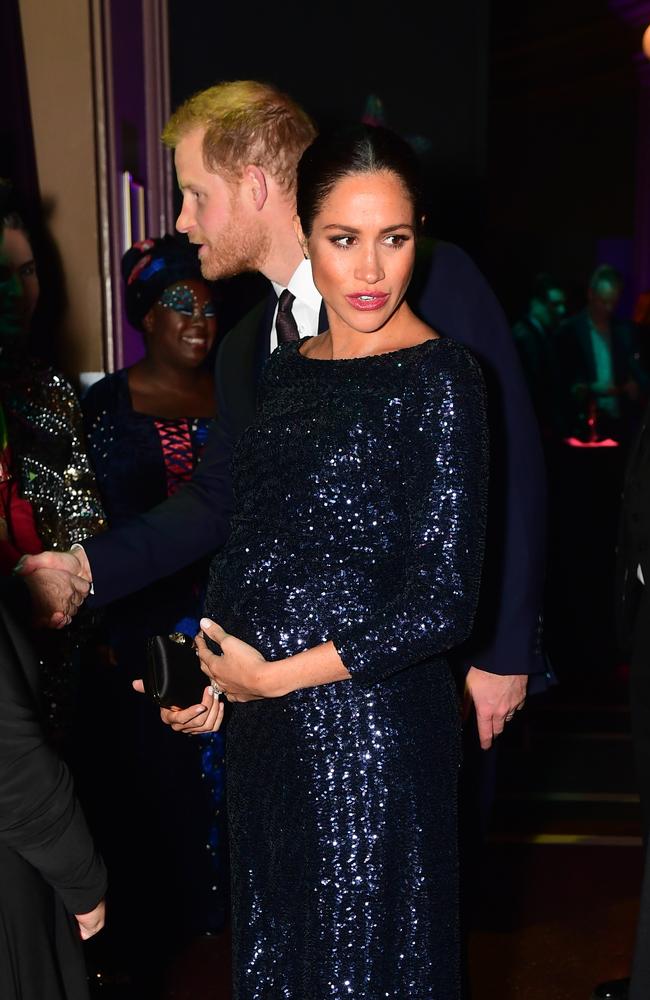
369,269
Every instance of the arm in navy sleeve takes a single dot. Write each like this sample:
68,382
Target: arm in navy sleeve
445,493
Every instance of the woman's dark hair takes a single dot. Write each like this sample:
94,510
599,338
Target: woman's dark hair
354,149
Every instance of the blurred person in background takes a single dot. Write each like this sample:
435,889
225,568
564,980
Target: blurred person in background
48,493
146,426
53,879
602,376
534,336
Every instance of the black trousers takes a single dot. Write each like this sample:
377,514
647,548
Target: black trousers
640,703
640,716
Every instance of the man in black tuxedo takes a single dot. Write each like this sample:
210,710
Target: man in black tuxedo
236,150
53,881
633,628
534,336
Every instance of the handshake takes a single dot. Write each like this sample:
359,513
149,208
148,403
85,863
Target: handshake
58,584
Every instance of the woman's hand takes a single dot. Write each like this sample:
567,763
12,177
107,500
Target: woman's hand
241,672
204,718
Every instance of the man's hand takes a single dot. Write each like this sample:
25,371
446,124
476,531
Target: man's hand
90,923
75,562
496,698
56,596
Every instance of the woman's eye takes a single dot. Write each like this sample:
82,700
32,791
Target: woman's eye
209,311
396,239
342,241
27,270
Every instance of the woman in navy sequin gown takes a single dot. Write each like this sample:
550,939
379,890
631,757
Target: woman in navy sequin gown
351,569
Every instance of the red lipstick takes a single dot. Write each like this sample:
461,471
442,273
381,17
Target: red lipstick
368,301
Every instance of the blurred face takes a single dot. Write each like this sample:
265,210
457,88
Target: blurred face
362,249
551,309
603,300
231,239
556,302
10,300
182,325
18,252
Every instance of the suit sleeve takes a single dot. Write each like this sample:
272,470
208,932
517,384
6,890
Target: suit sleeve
459,303
40,817
444,434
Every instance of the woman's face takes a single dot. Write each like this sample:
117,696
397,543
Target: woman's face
182,325
362,249
20,256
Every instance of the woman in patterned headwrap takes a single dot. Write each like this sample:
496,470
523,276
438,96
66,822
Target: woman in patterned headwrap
146,427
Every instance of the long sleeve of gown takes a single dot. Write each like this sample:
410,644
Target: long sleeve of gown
445,453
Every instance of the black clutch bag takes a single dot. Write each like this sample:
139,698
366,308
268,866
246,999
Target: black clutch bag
174,675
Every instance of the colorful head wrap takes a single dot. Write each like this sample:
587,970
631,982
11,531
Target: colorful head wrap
151,266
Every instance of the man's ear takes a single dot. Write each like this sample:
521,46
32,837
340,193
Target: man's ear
302,239
255,178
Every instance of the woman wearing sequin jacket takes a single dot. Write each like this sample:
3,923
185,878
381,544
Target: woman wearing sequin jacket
48,493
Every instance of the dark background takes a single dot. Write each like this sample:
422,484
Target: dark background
525,113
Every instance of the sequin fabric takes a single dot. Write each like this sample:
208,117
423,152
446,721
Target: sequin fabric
52,467
360,506
53,475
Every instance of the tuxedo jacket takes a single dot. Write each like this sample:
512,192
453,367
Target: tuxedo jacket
538,358
40,817
633,541
451,294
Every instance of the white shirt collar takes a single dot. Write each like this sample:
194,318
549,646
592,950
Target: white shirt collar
301,284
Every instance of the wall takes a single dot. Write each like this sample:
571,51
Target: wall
59,72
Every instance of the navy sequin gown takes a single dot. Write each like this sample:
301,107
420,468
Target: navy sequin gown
360,497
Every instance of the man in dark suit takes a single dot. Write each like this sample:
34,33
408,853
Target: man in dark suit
236,149
633,629
534,337
602,378
53,881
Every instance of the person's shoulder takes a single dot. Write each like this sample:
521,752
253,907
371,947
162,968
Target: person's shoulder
239,338
449,359
446,375
447,255
521,329
105,386
570,326
104,394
